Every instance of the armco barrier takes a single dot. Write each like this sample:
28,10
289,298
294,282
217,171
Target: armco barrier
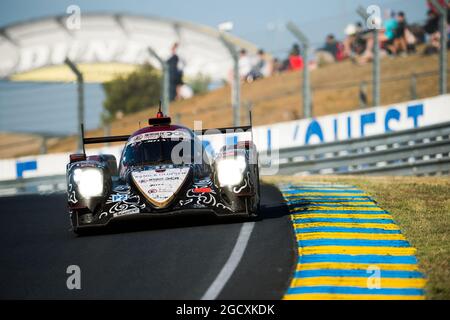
42,185
284,136
409,138
421,151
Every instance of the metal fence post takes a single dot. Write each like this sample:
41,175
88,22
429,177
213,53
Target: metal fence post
376,57
413,86
363,94
80,84
443,44
164,81
165,88
236,85
307,106
376,69
248,109
43,149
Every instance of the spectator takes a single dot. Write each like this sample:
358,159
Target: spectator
400,43
332,51
360,28
245,64
411,40
432,23
340,55
267,66
259,68
436,11
328,53
331,45
431,28
295,59
418,32
358,44
277,66
390,27
354,44
175,73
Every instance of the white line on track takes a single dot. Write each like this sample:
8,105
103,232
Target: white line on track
233,261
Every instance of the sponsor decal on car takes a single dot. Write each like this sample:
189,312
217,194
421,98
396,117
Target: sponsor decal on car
159,186
149,136
72,194
122,188
126,212
202,190
119,197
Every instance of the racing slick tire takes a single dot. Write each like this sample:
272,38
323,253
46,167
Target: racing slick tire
253,203
252,206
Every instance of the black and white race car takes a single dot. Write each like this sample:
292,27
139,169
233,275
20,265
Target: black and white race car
164,170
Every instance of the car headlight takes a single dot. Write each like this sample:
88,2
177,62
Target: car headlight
230,170
89,182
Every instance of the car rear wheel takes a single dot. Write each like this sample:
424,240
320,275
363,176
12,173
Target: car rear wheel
252,206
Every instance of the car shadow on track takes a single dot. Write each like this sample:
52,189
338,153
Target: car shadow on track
272,206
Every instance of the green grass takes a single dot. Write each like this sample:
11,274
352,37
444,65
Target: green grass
421,207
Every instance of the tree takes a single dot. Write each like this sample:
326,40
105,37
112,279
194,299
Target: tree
135,92
200,84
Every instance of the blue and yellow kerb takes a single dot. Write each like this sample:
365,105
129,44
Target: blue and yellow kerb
348,247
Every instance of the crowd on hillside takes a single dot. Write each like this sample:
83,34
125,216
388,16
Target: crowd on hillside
396,36
253,68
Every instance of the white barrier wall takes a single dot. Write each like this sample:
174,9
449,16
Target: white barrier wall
329,128
44,165
354,124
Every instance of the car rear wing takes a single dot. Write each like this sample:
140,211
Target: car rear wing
95,140
108,139
228,130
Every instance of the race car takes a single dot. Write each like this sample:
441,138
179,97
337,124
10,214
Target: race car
164,169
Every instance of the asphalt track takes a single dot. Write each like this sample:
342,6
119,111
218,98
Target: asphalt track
176,258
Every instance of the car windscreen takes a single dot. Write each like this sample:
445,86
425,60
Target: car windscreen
157,151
